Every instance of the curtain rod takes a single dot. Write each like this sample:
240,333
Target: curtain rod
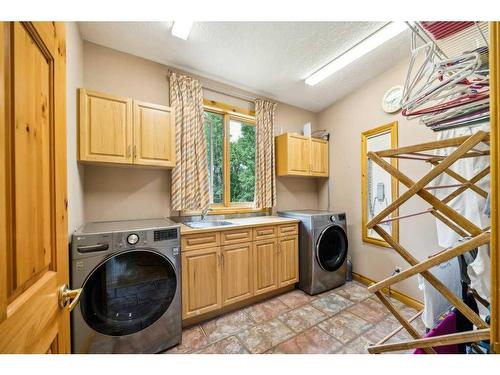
205,86
246,98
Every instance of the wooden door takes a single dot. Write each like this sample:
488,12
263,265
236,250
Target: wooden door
319,157
299,155
265,270
201,281
33,202
105,128
288,260
154,135
237,277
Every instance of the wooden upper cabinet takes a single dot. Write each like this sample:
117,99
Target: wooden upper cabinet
319,157
116,129
154,135
297,155
105,127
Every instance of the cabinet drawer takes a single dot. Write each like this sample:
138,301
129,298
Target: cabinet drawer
200,241
236,236
262,233
288,230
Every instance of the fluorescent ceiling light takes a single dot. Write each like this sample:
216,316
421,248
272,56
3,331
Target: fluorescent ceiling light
369,44
181,29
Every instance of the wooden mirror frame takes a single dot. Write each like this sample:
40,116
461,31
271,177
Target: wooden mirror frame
392,129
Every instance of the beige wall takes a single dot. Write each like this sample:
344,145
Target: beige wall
345,120
113,193
74,79
295,192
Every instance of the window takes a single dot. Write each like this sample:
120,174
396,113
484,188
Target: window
230,139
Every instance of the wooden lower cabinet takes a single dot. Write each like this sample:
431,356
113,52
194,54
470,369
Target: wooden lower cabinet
201,281
265,259
237,280
288,260
220,276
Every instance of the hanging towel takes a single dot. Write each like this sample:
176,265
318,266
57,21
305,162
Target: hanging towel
446,326
469,203
435,304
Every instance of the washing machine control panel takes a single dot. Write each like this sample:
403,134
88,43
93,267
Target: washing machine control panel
132,239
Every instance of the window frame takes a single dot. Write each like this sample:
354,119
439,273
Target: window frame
229,113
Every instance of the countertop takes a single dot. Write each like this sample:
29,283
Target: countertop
236,223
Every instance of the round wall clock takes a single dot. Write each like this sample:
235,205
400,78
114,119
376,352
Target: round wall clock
391,102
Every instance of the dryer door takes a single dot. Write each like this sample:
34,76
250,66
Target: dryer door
128,292
331,248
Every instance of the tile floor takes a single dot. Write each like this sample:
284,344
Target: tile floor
343,320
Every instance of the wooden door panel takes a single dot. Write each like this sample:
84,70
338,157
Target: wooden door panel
154,140
298,155
265,266
32,135
237,278
33,220
319,158
288,260
201,282
105,127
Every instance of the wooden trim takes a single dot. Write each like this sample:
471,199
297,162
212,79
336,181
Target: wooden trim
391,128
229,113
427,342
400,296
227,108
4,232
494,191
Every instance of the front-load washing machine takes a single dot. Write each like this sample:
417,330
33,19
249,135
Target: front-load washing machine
129,272
322,249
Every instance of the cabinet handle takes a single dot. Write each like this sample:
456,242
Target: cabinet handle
129,149
222,259
135,151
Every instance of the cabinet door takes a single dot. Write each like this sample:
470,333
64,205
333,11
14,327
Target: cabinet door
201,282
319,157
299,155
265,270
288,260
237,280
154,135
105,128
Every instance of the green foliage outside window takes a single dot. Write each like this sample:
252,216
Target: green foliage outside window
241,158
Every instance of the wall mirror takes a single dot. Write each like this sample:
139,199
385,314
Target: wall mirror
378,187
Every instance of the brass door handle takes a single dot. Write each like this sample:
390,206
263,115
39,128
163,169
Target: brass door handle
69,297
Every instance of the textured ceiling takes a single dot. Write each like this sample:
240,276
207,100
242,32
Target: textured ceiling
269,58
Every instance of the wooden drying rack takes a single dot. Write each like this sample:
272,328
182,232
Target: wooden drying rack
473,235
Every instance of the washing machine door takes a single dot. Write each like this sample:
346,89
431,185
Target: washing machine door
331,248
128,292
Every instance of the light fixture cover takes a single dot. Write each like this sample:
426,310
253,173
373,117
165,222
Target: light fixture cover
381,36
181,29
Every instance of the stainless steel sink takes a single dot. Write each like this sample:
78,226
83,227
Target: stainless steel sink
207,223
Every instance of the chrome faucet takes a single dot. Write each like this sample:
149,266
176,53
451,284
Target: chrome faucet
205,212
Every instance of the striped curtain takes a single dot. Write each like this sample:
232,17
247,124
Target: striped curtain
265,180
190,175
